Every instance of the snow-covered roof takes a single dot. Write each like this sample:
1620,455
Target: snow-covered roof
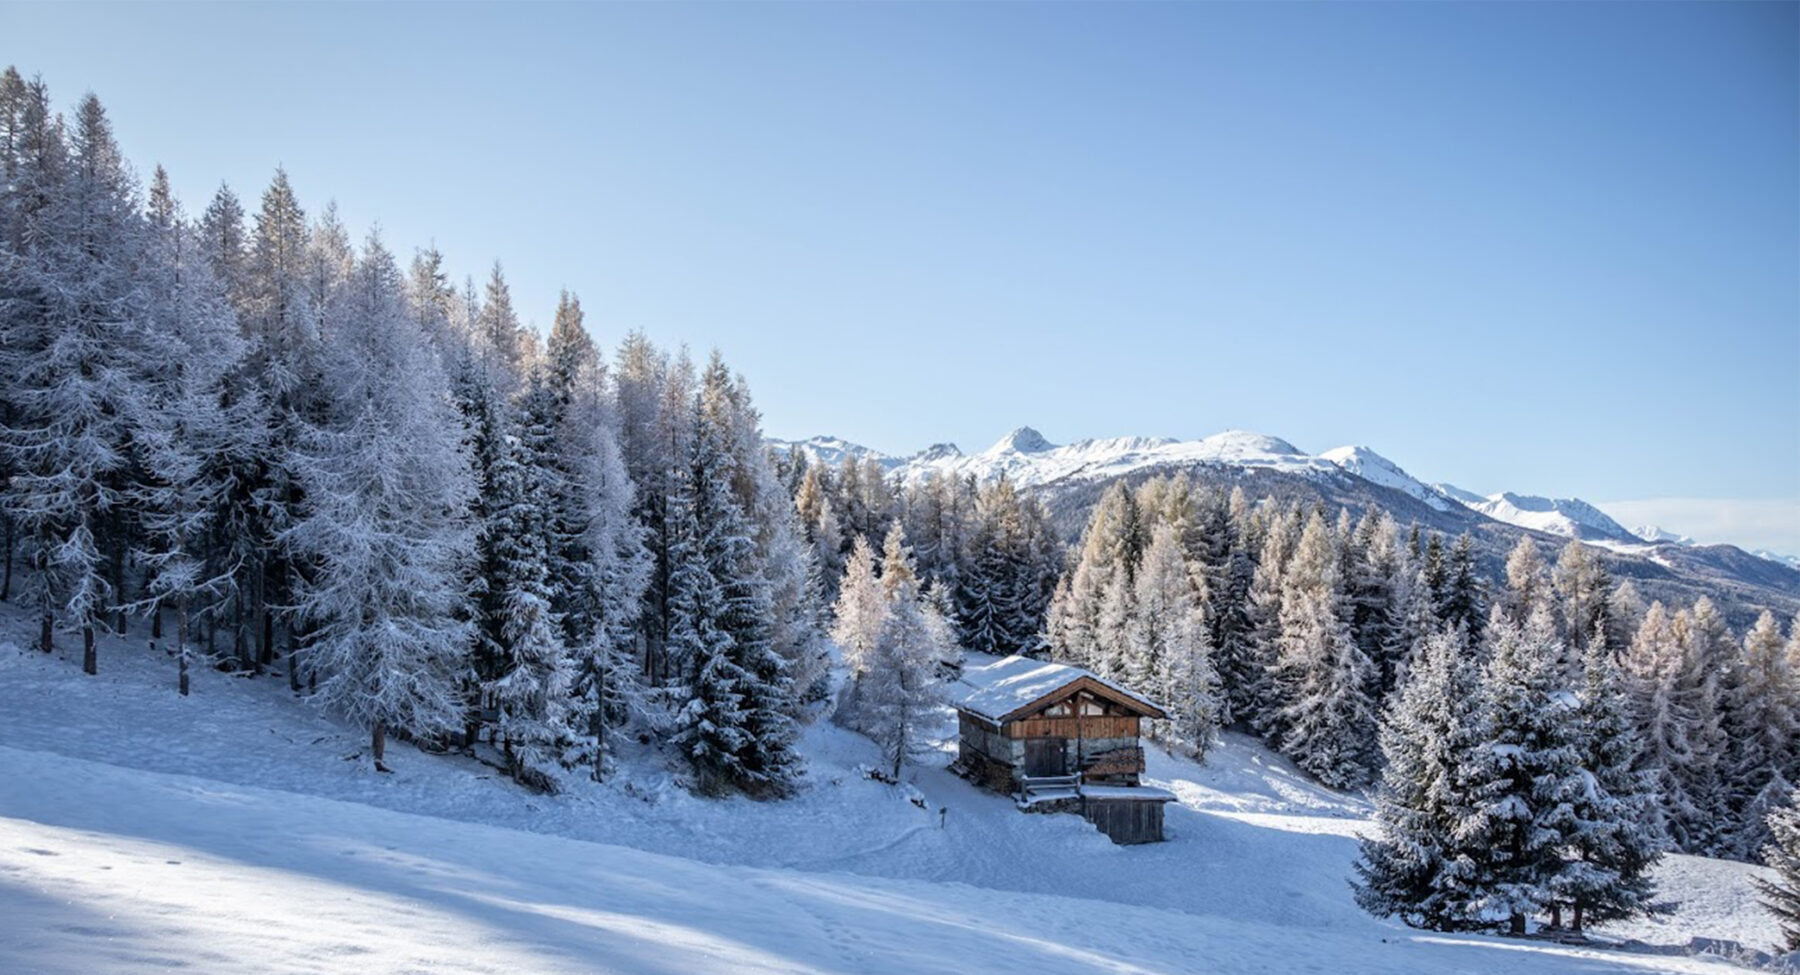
998,690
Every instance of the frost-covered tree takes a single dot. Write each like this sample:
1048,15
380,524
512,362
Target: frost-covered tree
1582,592
1170,653
1414,868
1322,679
1251,687
75,314
898,690
1613,841
860,610
1527,582
1523,781
1760,701
735,728
193,433
383,533
1782,896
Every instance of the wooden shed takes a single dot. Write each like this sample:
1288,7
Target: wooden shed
1056,737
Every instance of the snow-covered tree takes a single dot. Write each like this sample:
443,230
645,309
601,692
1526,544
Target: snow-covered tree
75,349
860,611
1760,700
193,433
898,690
1323,680
383,533
1613,841
1414,868
1170,654
1782,896
1523,781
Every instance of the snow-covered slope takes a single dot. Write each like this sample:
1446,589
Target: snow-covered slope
1568,517
237,830
1657,535
1376,469
831,451
1028,459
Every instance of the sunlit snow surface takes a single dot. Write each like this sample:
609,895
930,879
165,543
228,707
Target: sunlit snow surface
239,831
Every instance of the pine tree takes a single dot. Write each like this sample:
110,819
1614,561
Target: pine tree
1525,778
1171,654
383,530
860,610
1253,694
1782,896
1613,842
76,315
736,727
1760,702
1414,868
1527,582
192,434
898,689
1322,678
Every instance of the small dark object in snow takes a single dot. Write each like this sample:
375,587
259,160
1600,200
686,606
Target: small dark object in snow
918,802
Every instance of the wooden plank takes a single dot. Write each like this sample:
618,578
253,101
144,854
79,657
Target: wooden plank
1089,726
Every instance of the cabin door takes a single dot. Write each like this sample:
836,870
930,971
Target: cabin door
1045,756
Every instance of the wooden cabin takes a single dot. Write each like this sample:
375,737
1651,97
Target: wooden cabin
1058,738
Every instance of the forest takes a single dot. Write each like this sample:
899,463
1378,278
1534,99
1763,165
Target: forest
276,450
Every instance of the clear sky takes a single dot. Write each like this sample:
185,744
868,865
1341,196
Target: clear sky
1551,248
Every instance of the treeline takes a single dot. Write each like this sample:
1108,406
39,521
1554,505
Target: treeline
987,551
278,450
1306,629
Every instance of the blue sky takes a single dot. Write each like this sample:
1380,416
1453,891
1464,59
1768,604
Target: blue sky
1552,248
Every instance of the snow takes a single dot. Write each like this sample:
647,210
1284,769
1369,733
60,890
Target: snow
239,830
1568,517
1657,535
1378,470
998,688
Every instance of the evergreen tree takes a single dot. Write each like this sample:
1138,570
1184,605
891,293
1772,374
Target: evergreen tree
1760,701
193,433
76,316
1171,655
1415,868
1525,778
899,689
1613,843
1322,678
1782,896
382,531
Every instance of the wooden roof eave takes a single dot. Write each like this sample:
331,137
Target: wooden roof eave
1142,709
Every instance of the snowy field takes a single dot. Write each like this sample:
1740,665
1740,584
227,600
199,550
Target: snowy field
259,839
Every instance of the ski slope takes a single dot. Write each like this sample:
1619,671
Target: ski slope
239,830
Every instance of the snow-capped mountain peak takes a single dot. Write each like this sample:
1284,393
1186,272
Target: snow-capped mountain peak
1568,517
1023,440
1376,469
1657,533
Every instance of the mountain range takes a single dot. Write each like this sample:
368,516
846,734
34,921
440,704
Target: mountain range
1070,477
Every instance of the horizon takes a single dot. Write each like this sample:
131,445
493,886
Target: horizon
1548,250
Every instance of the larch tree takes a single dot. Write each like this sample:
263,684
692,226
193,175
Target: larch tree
383,532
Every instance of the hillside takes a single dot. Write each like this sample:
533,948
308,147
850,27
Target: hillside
1070,478
258,838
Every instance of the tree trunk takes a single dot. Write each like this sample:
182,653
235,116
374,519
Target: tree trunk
1576,925
1556,915
90,661
181,647
6,580
1517,926
156,623
293,661
378,744
45,642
